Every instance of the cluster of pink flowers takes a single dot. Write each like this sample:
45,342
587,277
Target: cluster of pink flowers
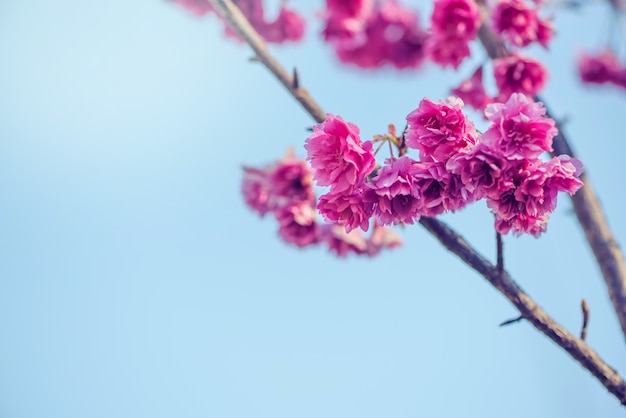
602,68
456,166
371,35
285,189
454,23
288,25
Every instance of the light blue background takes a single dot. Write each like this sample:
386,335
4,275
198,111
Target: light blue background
135,283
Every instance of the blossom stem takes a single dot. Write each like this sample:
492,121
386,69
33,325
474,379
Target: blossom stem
501,280
588,210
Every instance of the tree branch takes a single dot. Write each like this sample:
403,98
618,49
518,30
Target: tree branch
588,210
528,309
499,278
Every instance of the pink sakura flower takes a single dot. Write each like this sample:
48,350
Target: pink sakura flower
395,194
351,211
519,129
284,183
197,7
344,19
297,225
342,243
288,26
454,23
338,157
520,24
390,35
256,187
472,91
482,170
439,129
522,223
456,19
440,189
381,238
564,174
447,51
600,68
518,74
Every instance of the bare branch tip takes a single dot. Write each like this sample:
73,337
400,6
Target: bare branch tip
512,321
296,79
585,309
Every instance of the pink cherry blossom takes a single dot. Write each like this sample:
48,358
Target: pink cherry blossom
456,19
601,68
522,224
291,181
288,26
197,7
454,23
284,183
338,157
520,24
342,243
381,238
518,74
440,189
396,196
351,211
472,91
390,35
439,129
256,189
519,129
564,174
482,170
297,225
447,51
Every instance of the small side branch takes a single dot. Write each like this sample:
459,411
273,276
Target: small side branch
585,309
499,253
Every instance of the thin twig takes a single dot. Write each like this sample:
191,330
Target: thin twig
499,253
577,348
512,321
585,308
588,210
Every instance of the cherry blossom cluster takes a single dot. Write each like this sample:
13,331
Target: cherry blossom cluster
288,25
456,166
372,34
602,68
285,190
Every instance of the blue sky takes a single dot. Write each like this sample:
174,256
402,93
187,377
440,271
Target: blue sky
135,283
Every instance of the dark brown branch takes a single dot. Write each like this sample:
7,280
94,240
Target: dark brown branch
588,210
528,309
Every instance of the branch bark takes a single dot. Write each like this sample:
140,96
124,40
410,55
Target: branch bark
497,276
